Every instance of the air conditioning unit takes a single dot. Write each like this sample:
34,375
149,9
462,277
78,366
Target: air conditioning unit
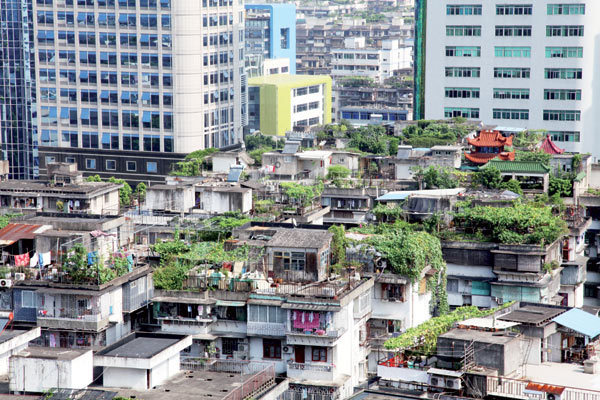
552,396
288,349
5,283
453,383
242,347
436,381
19,276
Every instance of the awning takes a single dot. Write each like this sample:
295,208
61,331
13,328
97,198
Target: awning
13,232
227,303
580,321
311,307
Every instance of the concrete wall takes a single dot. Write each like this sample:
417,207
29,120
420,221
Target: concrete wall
125,378
38,374
162,372
180,198
220,202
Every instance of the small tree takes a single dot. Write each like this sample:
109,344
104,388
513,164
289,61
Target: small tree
140,191
490,177
337,174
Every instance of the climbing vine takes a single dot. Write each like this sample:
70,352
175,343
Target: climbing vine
422,339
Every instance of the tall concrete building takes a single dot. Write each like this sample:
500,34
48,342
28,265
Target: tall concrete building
123,87
529,64
271,32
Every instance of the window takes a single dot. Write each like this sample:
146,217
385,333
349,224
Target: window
90,163
566,9
514,9
562,115
393,292
562,94
512,52
462,93
151,167
515,94
463,51
131,166
272,348
512,73
501,113
564,52
513,30
452,285
564,30
28,299
466,9
319,354
285,38
131,142
563,73
451,112
111,165
565,136
168,144
293,261
229,345
463,30
463,72
50,159
268,314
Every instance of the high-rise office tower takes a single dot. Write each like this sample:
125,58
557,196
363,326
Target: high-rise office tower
128,87
528,64
18,108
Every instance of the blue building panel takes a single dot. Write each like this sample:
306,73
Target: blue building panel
282,31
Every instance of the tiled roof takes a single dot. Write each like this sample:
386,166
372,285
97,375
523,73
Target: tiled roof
549,147
482,158
491,139
518,166
542,387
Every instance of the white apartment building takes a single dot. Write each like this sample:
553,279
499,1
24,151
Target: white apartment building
358,60
127,87
528,64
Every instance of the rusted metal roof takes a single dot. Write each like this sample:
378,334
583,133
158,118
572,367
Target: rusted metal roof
13,232
542,387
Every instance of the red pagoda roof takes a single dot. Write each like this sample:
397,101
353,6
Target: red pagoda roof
491,139
482,158
549,147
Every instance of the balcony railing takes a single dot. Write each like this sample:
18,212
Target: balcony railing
322,367
265,328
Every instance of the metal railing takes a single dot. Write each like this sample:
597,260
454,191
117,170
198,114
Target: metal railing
322,367
228,366
508,387
256,384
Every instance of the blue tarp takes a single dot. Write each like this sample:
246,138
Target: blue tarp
580,321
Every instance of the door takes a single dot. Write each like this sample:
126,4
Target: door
299,354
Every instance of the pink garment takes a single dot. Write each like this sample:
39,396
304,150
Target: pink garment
306,320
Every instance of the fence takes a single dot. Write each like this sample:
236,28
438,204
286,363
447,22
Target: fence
507,387
226,366
254,385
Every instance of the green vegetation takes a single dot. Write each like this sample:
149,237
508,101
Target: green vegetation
339,244
535,156
434,133
528,140
301,194
257,141
422,339
388,213
408,252
338,174
75,263
256,154
177,258
356,81
561,186
7,218
194,163
264,206
522,223
140,191
220,227
124,192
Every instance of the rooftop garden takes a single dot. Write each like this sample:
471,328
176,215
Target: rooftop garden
422,339
8,218
83,267
521,223
435,133
194,163
408,250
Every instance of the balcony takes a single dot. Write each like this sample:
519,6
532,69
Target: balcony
189,326
312,372
314,337
92,323
265,329
225,326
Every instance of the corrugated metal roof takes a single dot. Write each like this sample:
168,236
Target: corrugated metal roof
13,232
542,387
291,147
580,321
518,166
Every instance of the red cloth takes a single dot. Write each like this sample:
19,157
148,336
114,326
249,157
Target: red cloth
22,260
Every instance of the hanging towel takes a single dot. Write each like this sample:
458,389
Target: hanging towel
33,261
45,259
22,260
